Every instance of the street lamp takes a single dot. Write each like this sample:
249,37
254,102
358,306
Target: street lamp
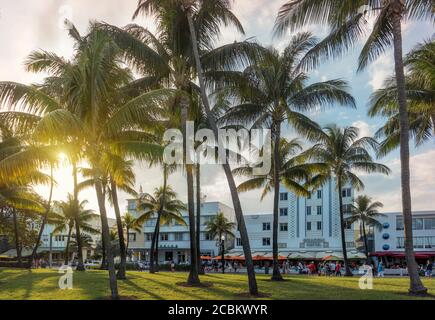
222,242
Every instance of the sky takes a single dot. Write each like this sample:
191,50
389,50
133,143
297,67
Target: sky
38,24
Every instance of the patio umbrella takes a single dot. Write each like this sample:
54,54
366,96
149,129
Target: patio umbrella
332,258
301,256
206,258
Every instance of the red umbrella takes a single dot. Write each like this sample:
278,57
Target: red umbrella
206,258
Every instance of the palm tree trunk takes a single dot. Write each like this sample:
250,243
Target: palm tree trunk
127,240
153,244
68,239
80,265
156,252
193,278
17,238
253,289
121,275
198,217
366,244
276,178
106,239
416,286
44,219
348,272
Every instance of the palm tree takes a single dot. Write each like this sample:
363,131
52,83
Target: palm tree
348,21
165,206
273,91
293,173
95,106
220,228
129,222
71,214
365,212
174,44
343,154
420,92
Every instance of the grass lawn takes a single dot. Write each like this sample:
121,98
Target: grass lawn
43,284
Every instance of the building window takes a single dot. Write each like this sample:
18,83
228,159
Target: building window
308,226
45,238
346,193
319,225
282,245
266,242
283,227
208,236
319,194
429,223
347,225
59,237
238,242
417,223
131,205
309,196
164,236
347,208
283,196
266,226
132,237
148,236
283,212
178,236
319,210
308,211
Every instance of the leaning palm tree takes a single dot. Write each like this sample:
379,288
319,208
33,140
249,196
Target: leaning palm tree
274,91
166,208
420,92
343,154
366,213
173,42
349,22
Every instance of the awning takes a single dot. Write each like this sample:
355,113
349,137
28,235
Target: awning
401,254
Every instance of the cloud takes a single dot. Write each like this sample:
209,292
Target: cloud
388,190
365,130
380,70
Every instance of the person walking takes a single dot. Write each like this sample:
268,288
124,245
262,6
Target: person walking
338,269
380,269
429,268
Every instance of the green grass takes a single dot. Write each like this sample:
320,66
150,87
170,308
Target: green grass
43,284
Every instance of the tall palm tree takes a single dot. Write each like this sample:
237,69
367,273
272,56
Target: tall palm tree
89,97
420,92
166,208
344,154
273,91
129,222
366,213
348,21
220,228
174,30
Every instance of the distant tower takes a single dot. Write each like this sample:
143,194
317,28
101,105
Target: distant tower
140,189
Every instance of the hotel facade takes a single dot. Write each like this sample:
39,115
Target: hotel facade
174,242
308,226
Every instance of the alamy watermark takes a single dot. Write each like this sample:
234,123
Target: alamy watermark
66,280
238,147
366,280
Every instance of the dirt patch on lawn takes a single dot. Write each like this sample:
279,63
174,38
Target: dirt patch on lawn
253,296
203,284
120,298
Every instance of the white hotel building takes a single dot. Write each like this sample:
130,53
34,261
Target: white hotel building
389,242
174,242
307,226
